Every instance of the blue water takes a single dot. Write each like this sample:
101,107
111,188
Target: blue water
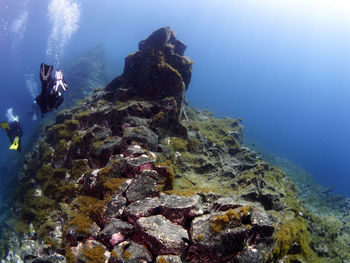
283,66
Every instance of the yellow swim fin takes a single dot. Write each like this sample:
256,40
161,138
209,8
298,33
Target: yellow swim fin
4,125
14,145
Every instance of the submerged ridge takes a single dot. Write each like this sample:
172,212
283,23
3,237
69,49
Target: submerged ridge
131,173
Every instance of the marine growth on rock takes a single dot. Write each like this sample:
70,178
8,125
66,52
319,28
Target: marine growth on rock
131,173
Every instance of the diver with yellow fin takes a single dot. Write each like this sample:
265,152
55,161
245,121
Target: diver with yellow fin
13,129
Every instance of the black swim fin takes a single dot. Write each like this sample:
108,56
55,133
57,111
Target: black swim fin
45,73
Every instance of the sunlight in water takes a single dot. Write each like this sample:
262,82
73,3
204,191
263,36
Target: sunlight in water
31,85
19,25
318,9
64,16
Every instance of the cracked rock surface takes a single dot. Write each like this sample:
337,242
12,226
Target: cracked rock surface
132,174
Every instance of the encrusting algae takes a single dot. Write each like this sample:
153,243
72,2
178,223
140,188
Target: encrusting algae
93,158
234,216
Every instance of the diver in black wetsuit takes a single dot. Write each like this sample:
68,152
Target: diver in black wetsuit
50,97
34,111
13,129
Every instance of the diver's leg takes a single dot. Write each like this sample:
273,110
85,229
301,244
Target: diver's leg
59,101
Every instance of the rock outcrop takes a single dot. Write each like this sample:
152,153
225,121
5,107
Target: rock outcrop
132,174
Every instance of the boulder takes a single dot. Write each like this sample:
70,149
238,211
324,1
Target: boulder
180,209
142,208
140,188
130,252
115,206
161,235
136,165
74,234
101,151
143,135
261,222
218,237
114,232
269,199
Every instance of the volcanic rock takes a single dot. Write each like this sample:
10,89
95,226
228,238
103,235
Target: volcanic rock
140,188
91,251
130,252
114,207
158,70
115,232
169,259
142,135
164,182
142,208
179,209
74,234
161,235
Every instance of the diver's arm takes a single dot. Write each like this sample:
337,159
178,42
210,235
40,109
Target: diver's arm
59,82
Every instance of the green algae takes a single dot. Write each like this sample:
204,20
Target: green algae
44,173
72,125
89,209
83,116
178,144
217,131
168,170
292,242
94,254
330,233
114,184
81,221
35,209
90,206
68,191
61,150
45,152
58,132
79,167
109,179
219,222
69,255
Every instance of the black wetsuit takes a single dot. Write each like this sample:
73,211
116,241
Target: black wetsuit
14,131
48,100
35,109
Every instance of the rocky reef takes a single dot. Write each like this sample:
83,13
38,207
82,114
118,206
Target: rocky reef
131,174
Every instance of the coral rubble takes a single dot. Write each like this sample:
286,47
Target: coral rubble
132,174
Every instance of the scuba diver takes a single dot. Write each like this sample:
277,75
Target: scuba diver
34,111
13,129
50,97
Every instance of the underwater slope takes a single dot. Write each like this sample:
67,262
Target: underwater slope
132,174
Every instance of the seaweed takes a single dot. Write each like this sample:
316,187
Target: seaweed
292,242
94,255
219,222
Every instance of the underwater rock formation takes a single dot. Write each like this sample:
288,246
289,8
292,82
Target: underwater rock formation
157,72
132,174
